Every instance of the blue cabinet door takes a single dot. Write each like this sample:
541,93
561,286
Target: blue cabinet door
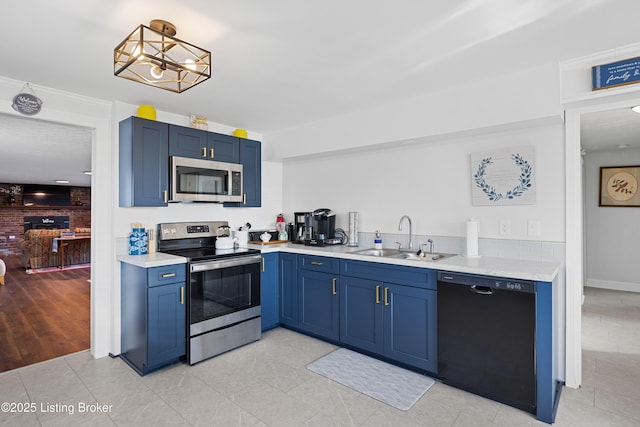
166,322
269,290
226,148
143,162
319,304
289,289
200,144
361,313
410,326
251,161
188,142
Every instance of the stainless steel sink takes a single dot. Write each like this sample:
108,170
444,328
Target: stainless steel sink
378,252
402,254
426,257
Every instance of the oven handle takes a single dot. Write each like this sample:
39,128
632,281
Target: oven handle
230,262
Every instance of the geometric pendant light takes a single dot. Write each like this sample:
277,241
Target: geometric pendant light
153,56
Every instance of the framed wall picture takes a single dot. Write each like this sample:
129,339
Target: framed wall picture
619,186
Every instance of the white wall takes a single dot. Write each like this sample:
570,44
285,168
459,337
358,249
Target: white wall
612,233
524,96
431,182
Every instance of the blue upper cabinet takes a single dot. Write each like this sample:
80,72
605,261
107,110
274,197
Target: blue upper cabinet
226,148
200,144
251,160
144,165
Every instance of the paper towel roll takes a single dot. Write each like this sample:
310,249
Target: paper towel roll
353,228
472,238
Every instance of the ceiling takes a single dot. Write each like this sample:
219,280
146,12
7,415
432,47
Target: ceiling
281,63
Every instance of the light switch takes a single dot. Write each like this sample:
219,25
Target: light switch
504,226
534,227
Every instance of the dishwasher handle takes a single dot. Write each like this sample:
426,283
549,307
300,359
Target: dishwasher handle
481,290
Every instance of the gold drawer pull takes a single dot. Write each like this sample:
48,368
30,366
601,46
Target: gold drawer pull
212,155
377,294
181,295
316,263
386,296
204,151
165,275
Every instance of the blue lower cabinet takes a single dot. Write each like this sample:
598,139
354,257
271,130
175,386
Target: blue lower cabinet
410,332
153,316
361,313
167,332
394,321
288,289
269,291
319,304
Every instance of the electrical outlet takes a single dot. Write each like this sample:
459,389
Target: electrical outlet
534,227
505,226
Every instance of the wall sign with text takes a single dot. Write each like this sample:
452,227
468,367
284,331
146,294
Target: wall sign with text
618,73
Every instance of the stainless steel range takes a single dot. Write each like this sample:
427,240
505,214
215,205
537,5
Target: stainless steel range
223,287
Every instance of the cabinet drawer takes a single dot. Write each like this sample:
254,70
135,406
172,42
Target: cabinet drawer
166,274
319,263
411,276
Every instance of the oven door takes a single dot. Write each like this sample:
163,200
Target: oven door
223,293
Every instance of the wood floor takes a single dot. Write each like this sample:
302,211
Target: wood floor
42,316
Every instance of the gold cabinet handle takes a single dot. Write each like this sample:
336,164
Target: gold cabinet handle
333,286
263,264
211,153
181,295
377,294
165,196
386,296
165,275
316,263
204,151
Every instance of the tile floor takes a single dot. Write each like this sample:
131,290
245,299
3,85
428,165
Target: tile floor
266,383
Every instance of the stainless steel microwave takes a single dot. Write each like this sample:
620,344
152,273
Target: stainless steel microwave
198,180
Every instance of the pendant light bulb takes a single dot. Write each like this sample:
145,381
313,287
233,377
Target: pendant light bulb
156,72
190,64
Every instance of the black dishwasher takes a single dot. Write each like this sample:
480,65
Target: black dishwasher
486,337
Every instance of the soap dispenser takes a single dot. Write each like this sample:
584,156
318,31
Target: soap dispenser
377,243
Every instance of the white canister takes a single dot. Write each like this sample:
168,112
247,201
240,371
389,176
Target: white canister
242,237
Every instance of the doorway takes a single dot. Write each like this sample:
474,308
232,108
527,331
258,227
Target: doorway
43,315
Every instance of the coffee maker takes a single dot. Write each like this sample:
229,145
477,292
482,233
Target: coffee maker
324,228
299,226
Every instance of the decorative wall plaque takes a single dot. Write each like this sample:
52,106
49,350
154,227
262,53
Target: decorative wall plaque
503,177
26,102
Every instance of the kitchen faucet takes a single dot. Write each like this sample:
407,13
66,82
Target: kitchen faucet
410,229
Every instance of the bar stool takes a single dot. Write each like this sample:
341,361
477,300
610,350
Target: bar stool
61,252
3,270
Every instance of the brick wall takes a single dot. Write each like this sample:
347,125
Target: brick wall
12,217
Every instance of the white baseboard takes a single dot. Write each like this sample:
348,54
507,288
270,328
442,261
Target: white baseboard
617,286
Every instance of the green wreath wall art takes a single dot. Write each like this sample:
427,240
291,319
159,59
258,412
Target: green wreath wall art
524,180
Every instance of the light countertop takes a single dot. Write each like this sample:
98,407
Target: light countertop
152,260
541,271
